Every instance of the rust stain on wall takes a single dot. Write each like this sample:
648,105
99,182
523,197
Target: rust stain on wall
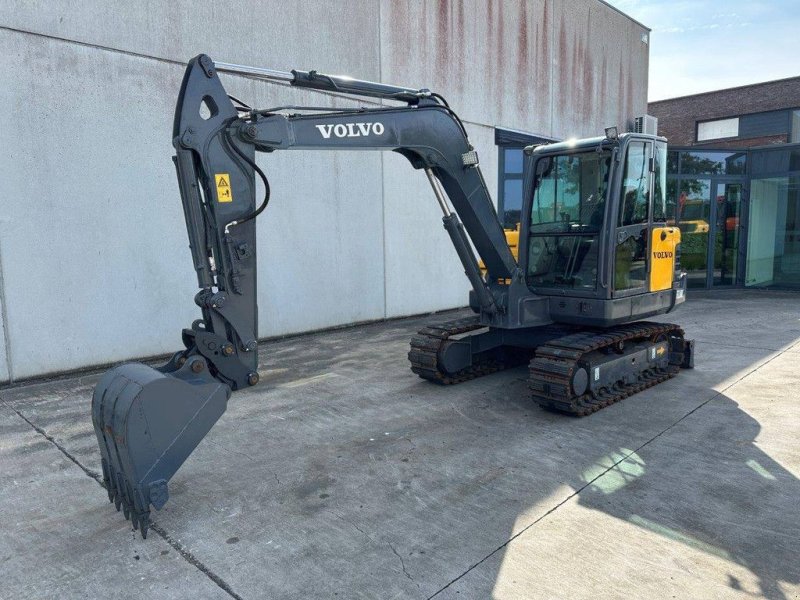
500,57
461,55
543,82
442,18
589,93
522,78
621,92
629,101
603,91
563,65
498,60
573,84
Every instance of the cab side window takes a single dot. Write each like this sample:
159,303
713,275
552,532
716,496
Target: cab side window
631,255
660,183
635,186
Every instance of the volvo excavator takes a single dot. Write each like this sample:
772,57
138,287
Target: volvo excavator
596,256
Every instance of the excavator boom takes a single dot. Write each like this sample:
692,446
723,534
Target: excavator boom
149,420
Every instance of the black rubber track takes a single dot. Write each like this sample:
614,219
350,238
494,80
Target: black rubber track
426,344
551,369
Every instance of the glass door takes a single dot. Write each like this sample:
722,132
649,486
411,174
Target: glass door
693,214
724,253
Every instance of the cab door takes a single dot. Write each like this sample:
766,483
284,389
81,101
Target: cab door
634,207
665,236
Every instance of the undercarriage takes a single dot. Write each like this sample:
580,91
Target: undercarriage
571,370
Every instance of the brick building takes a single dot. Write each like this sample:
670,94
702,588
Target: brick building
734,183
741,117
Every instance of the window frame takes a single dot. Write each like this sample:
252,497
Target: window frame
623,232
505,138
724,137
502,177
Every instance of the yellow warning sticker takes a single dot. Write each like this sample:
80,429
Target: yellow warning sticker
224,193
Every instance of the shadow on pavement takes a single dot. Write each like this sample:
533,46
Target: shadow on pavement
712,489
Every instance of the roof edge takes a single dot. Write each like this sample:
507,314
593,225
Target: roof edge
624,14
736,87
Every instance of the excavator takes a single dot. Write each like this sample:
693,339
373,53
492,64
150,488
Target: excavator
596,256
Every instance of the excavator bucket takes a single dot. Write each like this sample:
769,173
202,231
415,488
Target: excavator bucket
147,423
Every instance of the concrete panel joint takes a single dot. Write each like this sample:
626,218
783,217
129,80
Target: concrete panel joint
4,323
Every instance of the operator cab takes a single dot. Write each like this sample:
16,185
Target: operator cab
594,230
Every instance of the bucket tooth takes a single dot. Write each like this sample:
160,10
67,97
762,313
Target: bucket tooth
147,423
107,479
118,498
107,389
144,523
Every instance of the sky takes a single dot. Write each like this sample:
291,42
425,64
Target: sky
703,45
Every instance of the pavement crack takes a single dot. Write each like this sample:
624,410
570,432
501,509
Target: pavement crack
177,546
353,525
194,561
90,472
371,539
577,491
402,563
231,450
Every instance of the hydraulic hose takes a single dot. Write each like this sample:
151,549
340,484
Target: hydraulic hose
263,177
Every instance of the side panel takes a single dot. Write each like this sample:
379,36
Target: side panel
662,247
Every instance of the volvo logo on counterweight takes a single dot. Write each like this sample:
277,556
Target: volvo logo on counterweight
343,130
666,254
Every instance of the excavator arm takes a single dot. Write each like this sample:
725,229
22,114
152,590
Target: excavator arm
148,421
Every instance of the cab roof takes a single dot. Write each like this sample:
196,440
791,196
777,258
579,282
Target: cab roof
573,144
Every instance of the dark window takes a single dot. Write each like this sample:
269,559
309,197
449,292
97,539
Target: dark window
775,161
509,202
512,202
672,162
763,124
713,163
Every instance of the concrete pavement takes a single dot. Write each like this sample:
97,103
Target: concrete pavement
344,475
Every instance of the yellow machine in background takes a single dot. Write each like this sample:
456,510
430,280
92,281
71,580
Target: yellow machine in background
512,239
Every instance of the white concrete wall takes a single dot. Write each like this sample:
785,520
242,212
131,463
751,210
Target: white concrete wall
93,248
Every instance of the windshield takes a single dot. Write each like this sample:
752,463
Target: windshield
566,217
571,192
